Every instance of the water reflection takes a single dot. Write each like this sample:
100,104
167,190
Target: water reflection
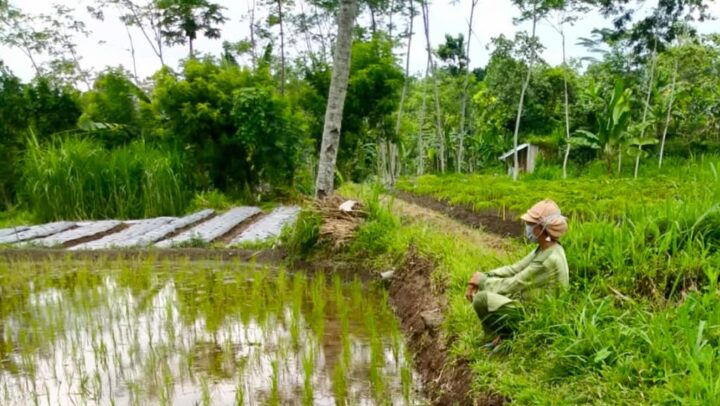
187,333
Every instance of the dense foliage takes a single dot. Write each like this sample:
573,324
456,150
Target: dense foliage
248,122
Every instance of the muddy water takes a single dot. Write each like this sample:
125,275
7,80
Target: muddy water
195,333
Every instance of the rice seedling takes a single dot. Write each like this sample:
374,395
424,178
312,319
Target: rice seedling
137,332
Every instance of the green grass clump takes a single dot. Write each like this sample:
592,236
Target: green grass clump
76,178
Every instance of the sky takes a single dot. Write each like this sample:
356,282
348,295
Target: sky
108,44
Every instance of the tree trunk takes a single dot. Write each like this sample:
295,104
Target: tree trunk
423,110
190,43
282,49
567,105
132,54
669,113
516,166
436,90
336,99
403,95
647,105
463,101
253,44
157,50
28,53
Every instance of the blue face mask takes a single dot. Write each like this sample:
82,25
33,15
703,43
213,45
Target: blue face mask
529,233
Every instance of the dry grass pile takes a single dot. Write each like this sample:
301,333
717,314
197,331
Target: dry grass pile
340,219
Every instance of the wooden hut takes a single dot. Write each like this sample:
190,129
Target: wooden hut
527,154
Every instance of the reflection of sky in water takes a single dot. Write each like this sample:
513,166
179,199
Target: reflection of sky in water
110,344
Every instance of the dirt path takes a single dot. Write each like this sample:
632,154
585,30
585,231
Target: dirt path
410,211
503,226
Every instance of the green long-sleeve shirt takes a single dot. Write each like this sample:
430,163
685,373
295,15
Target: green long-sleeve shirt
539,272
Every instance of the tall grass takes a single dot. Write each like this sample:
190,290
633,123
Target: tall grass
77,178
656,235
594,344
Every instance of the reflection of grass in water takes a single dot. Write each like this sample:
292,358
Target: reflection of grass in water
275,384
339,383
140,329
308,363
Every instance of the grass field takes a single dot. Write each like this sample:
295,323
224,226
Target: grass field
641,322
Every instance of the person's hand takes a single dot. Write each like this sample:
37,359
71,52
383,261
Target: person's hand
474,284
470,292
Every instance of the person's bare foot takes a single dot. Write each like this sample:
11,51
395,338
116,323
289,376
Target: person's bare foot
494,343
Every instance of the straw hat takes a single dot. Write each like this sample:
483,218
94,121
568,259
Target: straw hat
547,214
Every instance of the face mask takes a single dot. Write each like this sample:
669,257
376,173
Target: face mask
529,233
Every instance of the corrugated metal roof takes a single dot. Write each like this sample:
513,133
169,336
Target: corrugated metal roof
512,151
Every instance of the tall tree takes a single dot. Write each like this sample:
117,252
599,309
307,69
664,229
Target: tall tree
531,61
183,20
566,11
409,34
145,17
646,107
324,185
18,30
464,94
439,133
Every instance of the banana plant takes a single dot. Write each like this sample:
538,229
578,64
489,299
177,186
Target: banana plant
612,127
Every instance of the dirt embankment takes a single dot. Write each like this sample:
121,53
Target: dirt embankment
488,220
420,307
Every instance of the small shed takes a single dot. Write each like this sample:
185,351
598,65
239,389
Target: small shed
527,154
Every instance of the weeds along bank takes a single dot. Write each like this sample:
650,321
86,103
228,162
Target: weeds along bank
635,327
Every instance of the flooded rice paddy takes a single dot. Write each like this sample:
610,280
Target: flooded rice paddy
140,332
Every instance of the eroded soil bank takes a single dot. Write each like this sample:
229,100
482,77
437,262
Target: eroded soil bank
419,305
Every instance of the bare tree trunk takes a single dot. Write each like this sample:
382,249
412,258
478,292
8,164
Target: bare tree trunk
28,53
647,105
436,90
567,105
336,99
403,95
156,45
190,43
282,48
423,110
463,102
394,163
526,83
669,113
253,44
132,54
390,18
